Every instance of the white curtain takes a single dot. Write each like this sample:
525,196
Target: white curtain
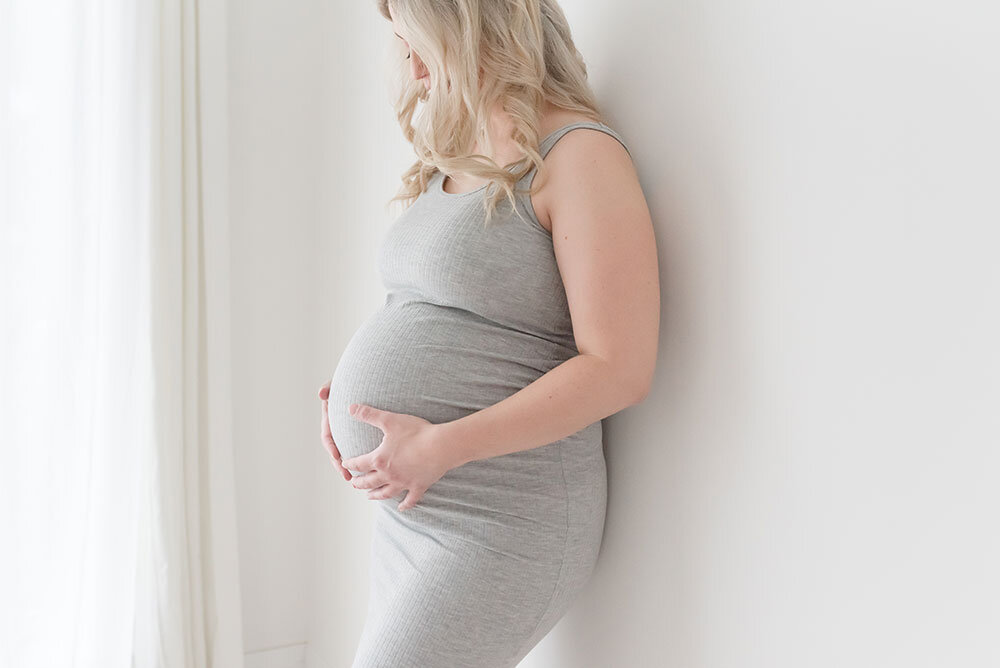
117,514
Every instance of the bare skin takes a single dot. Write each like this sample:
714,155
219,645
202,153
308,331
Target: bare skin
602,235
327,435
501,125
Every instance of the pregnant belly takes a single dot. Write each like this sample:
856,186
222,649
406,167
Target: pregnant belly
436,362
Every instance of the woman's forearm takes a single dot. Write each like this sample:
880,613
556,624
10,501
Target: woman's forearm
578,392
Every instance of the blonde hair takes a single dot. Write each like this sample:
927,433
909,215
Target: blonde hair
480,54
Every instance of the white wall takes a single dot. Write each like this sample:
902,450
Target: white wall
279,77
812,481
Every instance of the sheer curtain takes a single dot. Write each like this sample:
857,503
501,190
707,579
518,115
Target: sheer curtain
116,489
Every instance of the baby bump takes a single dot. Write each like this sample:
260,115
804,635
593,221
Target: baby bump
435,362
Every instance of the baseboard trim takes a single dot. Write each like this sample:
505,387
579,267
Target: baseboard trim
288,656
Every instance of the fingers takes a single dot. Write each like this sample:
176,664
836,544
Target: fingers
380,488
369,481
331,446
324,428
411,499
337,464
324,391
365,463
384,492
371,415
343,471
328,441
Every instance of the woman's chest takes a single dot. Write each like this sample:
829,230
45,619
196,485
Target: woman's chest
440,251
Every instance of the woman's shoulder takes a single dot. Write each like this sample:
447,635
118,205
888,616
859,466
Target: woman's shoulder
557,119
595,150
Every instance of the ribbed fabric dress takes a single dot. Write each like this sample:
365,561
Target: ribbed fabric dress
495,552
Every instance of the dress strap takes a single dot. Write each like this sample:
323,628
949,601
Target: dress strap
549,141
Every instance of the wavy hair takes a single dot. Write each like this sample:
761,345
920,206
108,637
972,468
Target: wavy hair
482,55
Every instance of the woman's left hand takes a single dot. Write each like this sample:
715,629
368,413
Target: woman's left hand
411,456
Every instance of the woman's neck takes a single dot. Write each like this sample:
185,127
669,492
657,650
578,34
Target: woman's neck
501,126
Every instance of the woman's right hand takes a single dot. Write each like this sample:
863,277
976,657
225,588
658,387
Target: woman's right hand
331,447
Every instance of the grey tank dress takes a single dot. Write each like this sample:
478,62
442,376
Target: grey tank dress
494,553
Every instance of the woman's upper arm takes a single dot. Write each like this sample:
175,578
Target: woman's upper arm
605,247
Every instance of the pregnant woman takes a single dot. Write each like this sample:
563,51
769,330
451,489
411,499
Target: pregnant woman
519,312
